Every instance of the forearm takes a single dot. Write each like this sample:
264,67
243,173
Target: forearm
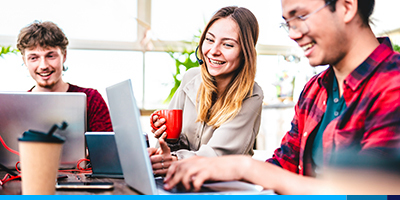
280,180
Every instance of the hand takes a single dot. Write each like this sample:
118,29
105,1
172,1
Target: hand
194,171
161,158
159,123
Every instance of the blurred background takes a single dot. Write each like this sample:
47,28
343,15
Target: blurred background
152,43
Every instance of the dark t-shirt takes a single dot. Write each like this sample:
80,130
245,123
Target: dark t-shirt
335,106
98,116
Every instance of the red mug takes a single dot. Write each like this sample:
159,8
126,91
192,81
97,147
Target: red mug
173,121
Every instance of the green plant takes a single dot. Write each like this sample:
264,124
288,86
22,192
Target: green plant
396,48
182,61
6,50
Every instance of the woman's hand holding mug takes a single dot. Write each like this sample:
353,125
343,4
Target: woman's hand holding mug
159,123
170,122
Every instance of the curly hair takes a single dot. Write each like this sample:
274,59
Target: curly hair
42,34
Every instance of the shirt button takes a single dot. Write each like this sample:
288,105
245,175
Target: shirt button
304,134
336,113
198,136
335,100
299,167
323,102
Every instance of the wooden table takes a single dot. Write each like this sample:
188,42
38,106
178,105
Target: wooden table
120,187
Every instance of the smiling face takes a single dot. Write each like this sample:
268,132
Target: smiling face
322,37
222,50
45,65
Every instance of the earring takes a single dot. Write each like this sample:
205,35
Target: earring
65,68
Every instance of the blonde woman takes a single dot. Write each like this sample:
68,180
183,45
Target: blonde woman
221,102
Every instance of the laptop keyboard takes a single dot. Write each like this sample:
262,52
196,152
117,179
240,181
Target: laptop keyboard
159,182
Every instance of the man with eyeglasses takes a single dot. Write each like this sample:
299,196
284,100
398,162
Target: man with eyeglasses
351,107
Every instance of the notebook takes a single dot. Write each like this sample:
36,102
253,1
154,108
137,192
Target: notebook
132,150
21,111
103,155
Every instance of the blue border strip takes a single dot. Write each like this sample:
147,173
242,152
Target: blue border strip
183,197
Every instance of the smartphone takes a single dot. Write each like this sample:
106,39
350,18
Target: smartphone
85,185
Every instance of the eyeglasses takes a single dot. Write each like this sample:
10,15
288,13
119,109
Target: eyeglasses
298,22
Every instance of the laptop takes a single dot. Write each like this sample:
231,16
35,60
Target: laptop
103,155
132,150
21,111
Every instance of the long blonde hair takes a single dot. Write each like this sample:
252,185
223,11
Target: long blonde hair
216,112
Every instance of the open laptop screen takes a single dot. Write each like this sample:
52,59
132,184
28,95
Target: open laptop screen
21,111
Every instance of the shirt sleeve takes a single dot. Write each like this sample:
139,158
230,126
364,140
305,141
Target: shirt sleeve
98,115
382,123
287,155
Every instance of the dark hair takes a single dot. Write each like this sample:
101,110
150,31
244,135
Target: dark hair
43,34
365,9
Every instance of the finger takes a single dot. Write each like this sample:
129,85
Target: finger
155,166
159,122
160,131
187,179
159,151
155,117
163,136
171,171
158,158
198,180
160,172
163,145
174,176
151,151
160,166
155,159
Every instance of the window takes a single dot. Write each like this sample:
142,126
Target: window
176,20
87,20
100,69
105,41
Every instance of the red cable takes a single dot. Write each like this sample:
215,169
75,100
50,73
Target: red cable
8,148
79,168
79,162
16,167
7,178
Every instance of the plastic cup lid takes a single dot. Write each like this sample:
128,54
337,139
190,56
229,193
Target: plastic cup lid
36,136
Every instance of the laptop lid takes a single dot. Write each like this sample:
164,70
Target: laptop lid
103,155
21,111
131,144
132,149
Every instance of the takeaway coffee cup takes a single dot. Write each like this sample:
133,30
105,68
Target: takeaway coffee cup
173,121
40,158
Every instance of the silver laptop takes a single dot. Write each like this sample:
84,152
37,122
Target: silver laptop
21,111
103,155
133,155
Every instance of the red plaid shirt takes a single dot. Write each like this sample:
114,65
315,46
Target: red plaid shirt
370,123
98,117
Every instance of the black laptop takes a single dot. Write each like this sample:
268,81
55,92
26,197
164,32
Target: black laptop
103,155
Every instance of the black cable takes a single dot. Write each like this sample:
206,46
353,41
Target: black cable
8,170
